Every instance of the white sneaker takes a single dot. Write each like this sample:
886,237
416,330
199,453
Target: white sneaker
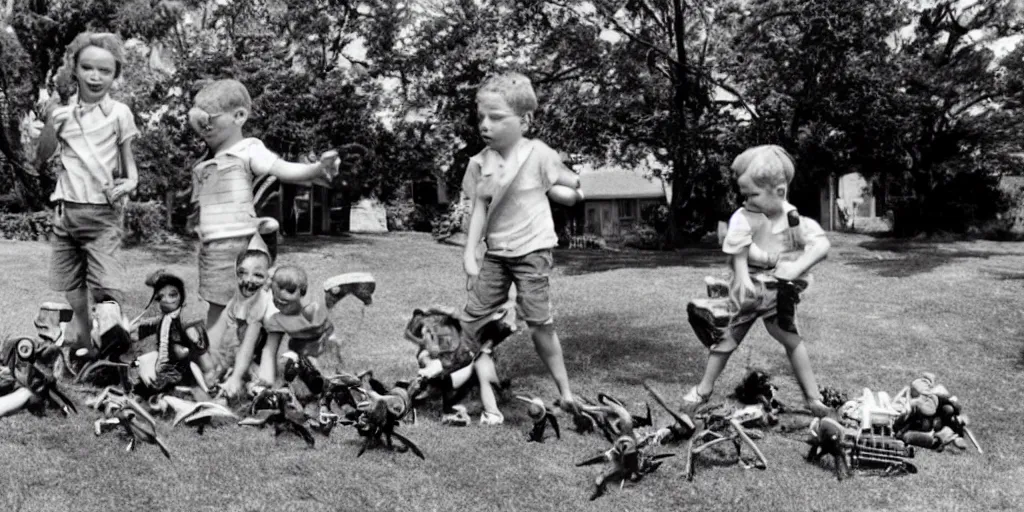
489,418
459,418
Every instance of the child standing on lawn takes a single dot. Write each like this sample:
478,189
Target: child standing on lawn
93,134
767,286
222,186
508,183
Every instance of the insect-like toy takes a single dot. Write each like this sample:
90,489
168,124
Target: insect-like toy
382,410
863,449
280,409
628,461
26,379
121,410
722,425
541,415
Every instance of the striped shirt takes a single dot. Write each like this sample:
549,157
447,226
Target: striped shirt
90,137
222,186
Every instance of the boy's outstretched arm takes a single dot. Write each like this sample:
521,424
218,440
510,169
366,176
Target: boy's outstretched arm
320,173
477,223
741,275
242,358
268,361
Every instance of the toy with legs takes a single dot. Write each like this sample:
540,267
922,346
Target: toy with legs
30,365
722,425
121,410
933,416
852,448
383,410
628,461
111,343
281,409
181,348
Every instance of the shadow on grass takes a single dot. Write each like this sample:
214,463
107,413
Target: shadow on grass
610,348
578,262
912,257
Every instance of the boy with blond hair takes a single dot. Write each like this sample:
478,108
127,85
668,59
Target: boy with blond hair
508,183
222,187
771,252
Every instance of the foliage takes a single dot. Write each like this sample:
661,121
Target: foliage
405,215
644,236
26,226
455,220
145,223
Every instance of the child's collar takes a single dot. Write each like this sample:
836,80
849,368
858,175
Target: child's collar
520,152
105,104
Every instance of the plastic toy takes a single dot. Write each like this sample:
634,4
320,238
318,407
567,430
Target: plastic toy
197,414
26,381
864,449
605,416
722,425
627,461
279,408
121,410
382,411
110,341
680,430
932,417
541,416
359,284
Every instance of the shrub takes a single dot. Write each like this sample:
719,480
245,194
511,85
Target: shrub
405,215
143,223
26,226
644,236
451,222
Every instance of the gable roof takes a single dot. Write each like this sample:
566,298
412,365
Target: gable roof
619,184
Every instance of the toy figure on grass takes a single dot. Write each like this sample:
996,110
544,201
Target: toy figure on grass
27,379
181,354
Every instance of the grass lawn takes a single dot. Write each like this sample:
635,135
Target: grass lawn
880,313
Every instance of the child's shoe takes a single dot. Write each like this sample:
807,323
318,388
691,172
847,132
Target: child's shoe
459,418
489,418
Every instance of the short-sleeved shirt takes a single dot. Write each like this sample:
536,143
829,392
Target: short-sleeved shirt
308,337
222,185
520,222
245,311
90,137
746,227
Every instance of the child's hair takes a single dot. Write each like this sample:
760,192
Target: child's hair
251,253
514,88
769,165
223,96
291,278
106,40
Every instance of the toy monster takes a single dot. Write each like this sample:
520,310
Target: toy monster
627,461
680,430
279,408
382,411
110,342
197,414
722,425
26,381
541,415
359,284
121,410
852,448
606,415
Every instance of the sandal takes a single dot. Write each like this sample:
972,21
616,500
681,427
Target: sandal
489,418
693,398
459,418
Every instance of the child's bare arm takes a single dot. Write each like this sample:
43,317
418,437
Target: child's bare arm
268,361
242,358
815,251
567,177
321,173
131,171
741,275
477,223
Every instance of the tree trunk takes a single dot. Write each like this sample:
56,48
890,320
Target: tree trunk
680,156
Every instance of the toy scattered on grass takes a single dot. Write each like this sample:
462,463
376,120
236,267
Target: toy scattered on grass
932,417
541,416
382,411
628,462
359,284
110,342
722,424
852,448
326,391
280,409
26,381
122,410
680,430
195,414
605,415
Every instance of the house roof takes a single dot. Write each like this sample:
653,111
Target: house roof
619,184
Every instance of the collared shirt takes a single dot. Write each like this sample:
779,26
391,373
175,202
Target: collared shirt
252,310
90,137
772,236
222,185
519,220
298,327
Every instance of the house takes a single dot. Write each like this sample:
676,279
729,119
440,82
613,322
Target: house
614,201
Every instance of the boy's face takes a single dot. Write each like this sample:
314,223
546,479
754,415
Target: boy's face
757,199
500,126
215,128
169,298
287,302
95,70
252,275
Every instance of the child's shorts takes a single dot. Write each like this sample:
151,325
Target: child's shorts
86,250
531,275
217,280
723,332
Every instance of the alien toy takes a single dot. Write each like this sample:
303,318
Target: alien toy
121,410
382,410
26,381
279,408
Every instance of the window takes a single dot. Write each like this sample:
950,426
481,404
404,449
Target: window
627,208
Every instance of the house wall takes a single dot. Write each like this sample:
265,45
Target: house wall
613,218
